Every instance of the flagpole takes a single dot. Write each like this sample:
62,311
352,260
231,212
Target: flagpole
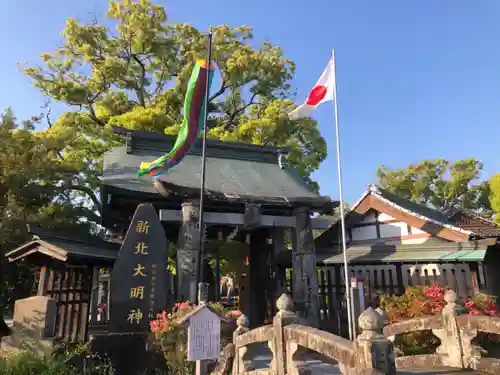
352,332
203,168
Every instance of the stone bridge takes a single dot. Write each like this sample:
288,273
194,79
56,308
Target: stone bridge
301,350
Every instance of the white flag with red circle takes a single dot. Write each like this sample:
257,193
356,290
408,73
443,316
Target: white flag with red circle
322,92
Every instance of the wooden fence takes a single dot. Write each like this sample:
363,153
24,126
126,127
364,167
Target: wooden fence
70,287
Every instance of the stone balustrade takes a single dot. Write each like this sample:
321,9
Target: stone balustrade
456,332
371,353
373,350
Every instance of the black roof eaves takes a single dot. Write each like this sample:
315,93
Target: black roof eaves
313,202
92,241
159,137
179,192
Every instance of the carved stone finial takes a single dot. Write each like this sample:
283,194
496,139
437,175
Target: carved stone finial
450,296
284,303
452,306
370,320
242,321
384,318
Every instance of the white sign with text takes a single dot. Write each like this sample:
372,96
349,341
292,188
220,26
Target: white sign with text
203,335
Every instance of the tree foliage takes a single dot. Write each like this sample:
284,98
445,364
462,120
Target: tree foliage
132,72
440,184
494,187
36,187
135,76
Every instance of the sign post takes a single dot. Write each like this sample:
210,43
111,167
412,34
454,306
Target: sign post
138,278
138,292
203,332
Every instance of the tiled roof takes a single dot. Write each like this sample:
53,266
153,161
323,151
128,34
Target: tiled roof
474,222
481,227
233,171
412,206
478,227
63,248
431,250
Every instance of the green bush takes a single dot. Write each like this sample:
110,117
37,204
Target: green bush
27,363
66,359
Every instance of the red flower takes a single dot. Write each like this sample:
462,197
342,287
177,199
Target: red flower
235,314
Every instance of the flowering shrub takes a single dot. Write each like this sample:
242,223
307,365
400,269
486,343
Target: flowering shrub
482,304
429,300
170,334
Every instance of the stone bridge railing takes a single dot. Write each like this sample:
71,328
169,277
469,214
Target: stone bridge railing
371,353
456,333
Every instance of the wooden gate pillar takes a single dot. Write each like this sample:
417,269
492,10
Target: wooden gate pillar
305,279
188,252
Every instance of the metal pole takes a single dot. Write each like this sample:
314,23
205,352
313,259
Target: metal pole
341,199
203,164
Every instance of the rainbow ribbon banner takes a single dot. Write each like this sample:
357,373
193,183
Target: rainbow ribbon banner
192,124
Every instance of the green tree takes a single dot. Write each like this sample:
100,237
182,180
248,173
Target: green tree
494,197
440,184
36,187
135,76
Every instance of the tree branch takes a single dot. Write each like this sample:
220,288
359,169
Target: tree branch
140,90
88,192
222,89
93,116
232,116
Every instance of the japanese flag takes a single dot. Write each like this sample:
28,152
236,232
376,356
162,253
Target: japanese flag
322,92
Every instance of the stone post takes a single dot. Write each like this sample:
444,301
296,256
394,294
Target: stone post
241,364
384,319
283,352
33,326
188,251
305,278
374,352
451,344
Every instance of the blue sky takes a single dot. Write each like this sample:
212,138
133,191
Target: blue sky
416,78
